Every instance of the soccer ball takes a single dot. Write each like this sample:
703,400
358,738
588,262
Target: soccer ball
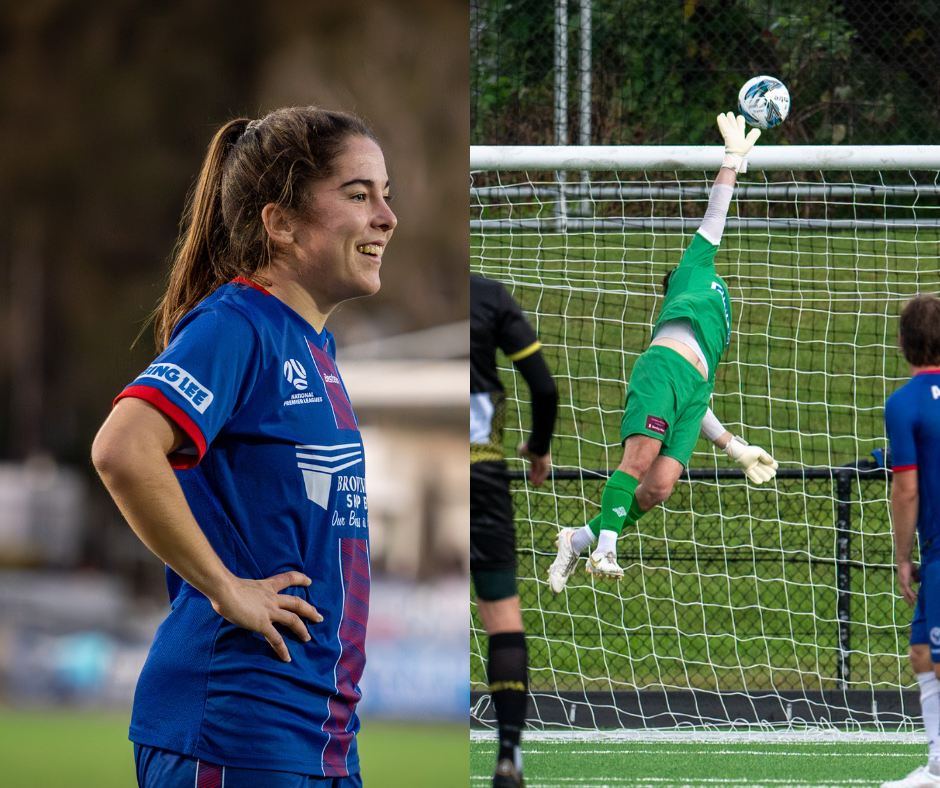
764,102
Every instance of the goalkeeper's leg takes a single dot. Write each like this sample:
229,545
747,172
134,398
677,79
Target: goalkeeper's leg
619,507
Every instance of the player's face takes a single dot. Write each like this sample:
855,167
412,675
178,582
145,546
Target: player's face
347,225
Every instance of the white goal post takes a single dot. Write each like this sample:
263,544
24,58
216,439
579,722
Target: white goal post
743,607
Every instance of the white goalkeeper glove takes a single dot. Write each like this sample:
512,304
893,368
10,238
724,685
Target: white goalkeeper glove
757,464
737,146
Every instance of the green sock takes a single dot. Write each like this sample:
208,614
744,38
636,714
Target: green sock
634,513
617,503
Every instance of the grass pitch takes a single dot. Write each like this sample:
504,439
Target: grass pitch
709,763
90,750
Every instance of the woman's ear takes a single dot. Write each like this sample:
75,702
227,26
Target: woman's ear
277,223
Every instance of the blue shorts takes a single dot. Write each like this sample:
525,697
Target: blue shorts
925,628
158,768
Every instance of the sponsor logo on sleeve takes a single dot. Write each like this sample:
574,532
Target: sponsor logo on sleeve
656,424
192,390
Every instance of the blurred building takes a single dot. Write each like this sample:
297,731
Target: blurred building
410,393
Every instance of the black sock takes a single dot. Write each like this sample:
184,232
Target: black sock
507,671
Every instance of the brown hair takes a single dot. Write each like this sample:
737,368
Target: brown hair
919,329
249,164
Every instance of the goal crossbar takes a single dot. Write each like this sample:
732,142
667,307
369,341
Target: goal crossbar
701,157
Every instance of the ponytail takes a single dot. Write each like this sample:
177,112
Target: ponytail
201,259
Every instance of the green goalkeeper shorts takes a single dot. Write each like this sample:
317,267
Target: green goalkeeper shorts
666,399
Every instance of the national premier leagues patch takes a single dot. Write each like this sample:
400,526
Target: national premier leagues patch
656,424
195,393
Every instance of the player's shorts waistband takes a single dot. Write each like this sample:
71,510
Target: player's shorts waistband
157,768
666,355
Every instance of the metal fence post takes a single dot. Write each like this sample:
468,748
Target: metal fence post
561,103
843,569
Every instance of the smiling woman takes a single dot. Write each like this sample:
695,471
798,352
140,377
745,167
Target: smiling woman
227,455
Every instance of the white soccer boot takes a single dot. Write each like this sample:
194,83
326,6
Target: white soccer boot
919,778
604,565
567,559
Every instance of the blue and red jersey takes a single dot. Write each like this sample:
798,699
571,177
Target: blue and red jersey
273,471
912,419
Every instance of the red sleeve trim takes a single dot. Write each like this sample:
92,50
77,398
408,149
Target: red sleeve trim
241,280
902,468
180,462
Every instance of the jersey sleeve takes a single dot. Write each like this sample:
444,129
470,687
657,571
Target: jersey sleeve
514,336
202,377
900,419
700,252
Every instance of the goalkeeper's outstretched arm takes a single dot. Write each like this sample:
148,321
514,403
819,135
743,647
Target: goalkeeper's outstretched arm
737,146
756,463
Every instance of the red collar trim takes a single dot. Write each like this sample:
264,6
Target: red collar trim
934,371
241,280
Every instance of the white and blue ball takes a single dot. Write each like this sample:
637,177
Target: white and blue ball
764,101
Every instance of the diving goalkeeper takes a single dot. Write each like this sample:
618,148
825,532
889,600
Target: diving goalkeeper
667,398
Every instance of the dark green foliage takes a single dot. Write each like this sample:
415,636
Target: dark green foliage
662,71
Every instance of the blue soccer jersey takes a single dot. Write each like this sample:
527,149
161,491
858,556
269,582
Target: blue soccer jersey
912,419
274,474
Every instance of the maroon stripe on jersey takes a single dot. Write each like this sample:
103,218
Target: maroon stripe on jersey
176,414
903,468
208,775
342,410
354,560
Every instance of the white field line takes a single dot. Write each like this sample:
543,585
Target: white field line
670,782
815,737
632,751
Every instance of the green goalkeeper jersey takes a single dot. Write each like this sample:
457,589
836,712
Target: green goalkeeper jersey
697,293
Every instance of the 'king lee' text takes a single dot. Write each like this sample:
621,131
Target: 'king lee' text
195,393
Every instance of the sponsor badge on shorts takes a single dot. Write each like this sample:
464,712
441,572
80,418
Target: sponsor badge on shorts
656,424
935,636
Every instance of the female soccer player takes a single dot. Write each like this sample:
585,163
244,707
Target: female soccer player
671,383
252,680
912,419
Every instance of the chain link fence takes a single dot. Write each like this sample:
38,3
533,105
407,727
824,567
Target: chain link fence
627,72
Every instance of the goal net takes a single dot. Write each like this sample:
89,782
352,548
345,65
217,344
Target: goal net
741,606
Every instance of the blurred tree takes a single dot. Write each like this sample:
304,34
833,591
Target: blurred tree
107,111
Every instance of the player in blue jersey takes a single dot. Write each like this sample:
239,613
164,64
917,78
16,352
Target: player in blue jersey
912,420
236,457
